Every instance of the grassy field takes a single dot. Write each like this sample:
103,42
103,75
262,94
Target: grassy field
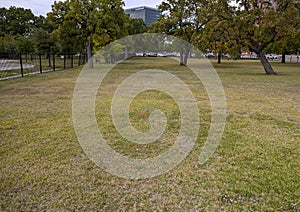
256,166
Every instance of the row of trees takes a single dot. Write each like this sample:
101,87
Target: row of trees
230,27
91,24
22,31
222,26
71,26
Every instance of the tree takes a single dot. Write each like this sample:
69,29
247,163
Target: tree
290,35
3,22
66,29
44,42
184,19
94,23
17,28
262,23
218,32
40,22
137,26
112,52
16,21
25,44
175,21
8,44
112,22
287,45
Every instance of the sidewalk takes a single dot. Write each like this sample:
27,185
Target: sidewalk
28,74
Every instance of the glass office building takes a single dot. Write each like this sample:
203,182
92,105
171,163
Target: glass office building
148,14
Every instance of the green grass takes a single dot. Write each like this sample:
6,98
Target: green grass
256,166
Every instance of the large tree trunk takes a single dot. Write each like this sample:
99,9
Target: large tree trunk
89,49
181,57
184,54
264,61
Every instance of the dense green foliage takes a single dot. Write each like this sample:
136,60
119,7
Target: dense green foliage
71,26
262,24
80,23
223,27
21,31
217,26
20,21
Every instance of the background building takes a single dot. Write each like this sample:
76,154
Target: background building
265,4
148,14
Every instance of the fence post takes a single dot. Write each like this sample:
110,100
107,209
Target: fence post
21,64
79,59
40,58
72,63
53,61
49,59
65,60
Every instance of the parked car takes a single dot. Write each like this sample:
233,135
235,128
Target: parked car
150,54
272,56
139,54
209,55
161,55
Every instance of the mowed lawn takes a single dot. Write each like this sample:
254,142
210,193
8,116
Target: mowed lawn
255,167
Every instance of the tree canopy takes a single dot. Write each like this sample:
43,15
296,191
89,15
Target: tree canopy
182,19
223,27
19,28
88,23
72,25
217,26
262,23
20,21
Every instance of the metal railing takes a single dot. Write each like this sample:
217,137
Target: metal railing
13,65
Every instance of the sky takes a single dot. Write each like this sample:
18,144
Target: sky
42,7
